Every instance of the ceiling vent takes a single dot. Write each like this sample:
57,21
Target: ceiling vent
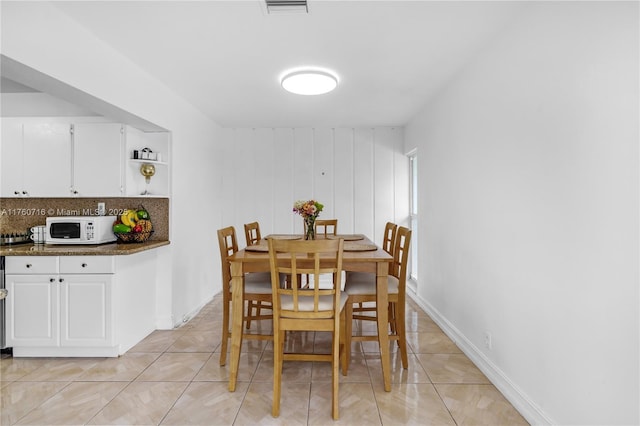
287,6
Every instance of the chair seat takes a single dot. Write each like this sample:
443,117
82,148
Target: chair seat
325,303
259,282
367,285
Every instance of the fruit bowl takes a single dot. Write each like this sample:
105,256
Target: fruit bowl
133,226
134,237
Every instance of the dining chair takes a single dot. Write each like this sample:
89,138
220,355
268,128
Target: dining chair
361,288
388,240
307,309
257,288
327,226
252,233
252,236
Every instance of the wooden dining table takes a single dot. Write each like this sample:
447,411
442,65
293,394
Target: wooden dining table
360,255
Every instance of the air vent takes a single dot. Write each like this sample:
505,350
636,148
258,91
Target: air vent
287,6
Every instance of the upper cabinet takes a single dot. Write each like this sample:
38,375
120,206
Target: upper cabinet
36,158
97,159
43,157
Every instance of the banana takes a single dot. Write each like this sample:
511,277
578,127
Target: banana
133,217
124,218
128,217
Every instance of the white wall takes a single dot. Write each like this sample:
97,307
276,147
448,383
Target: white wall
360,175
38,35
529,211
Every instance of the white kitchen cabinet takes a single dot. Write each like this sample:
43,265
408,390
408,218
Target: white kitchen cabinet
32,310
79,305
62,312
11,158
86,310
98,160
36,158
47,159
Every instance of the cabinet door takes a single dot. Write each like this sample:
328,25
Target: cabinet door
85,310
97,159
47,159
32,310
11,157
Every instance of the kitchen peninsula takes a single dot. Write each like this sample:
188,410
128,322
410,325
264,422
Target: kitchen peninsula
83,301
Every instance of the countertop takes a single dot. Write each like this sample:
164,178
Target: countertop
111,249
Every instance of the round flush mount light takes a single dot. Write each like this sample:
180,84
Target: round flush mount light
309,82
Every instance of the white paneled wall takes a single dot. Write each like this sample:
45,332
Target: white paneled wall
360,175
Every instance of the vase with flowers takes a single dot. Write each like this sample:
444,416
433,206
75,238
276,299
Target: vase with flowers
309,210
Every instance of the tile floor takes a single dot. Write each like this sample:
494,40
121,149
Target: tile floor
174,378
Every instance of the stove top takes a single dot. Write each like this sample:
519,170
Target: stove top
14,238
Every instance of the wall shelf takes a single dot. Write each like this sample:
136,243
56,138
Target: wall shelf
137,160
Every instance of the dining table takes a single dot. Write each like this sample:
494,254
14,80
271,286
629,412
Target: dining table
360,255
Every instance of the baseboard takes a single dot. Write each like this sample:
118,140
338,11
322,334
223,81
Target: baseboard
525,406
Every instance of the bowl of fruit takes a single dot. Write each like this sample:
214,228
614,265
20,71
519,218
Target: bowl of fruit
133,226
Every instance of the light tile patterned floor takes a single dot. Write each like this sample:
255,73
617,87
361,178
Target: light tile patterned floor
174,378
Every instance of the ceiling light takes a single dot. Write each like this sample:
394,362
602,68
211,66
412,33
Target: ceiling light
309,82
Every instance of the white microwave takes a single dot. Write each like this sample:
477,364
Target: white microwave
80,230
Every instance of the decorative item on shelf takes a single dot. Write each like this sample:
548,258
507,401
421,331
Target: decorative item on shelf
147,170
309,210
133,226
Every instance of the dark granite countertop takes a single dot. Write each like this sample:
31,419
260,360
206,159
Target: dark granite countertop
111,249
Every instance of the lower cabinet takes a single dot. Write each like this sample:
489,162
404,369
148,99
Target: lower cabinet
54,308
60,310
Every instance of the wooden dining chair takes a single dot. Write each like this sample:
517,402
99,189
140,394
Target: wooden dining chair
257,288
252,236
388,241
326,227
361,288
252,233
307,309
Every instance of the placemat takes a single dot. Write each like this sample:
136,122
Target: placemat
283,237
346,237
350,246
263,248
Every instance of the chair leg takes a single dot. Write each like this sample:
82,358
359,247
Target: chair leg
278,348
392,318
399,312
348,332
335,378
225,332
343,345
249,314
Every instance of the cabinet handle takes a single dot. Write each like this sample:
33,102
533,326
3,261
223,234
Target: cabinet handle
61,279
16,192
28,265
84,265
25,193
52,280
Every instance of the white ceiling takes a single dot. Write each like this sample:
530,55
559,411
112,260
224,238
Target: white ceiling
226,57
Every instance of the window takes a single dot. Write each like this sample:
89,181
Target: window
413,214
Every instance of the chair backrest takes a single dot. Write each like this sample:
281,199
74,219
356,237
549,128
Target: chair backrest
389,237
306,257
389,240
252,233
401,256
327,226
228,246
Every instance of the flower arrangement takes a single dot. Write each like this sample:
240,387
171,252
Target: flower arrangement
309,210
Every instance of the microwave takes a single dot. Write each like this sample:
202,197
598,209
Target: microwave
79,230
